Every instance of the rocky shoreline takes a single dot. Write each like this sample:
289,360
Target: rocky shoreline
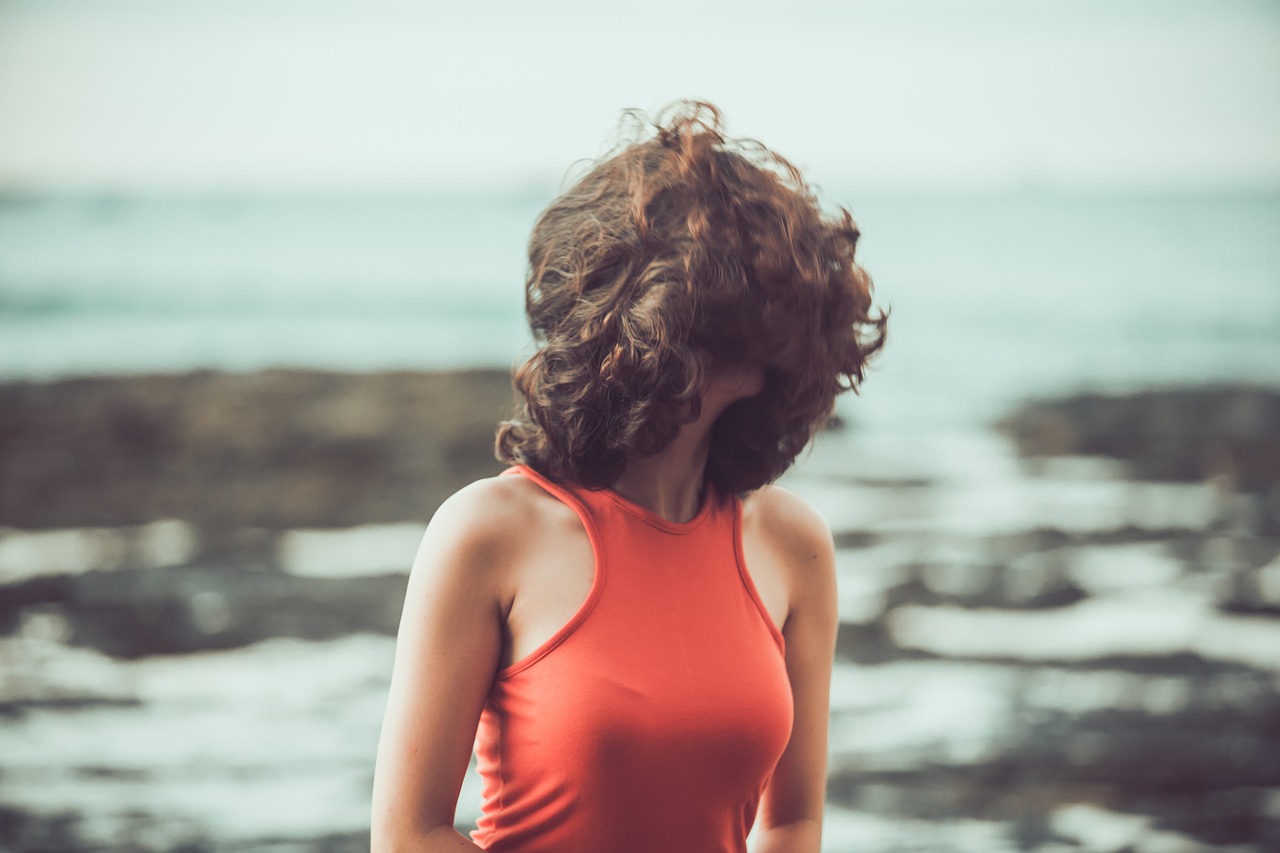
1045,630
1229,436
274,449
301,448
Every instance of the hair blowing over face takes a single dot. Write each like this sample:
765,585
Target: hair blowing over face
681,249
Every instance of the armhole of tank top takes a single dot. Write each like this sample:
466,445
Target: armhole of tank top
597,573
747,582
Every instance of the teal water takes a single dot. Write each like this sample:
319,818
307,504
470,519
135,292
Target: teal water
994,297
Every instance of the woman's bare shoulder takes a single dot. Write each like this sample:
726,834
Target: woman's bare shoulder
796,534
494,502
788,520
483,523
787,526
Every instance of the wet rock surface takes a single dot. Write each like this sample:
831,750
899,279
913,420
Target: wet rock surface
1185,434
131,613
277,449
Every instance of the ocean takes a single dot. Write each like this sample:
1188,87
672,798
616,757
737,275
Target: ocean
994,297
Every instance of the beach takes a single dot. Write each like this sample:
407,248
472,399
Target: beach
1047,642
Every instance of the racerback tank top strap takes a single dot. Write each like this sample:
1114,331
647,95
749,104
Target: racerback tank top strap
623,533
652,719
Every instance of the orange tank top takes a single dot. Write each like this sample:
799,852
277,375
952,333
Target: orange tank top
651,721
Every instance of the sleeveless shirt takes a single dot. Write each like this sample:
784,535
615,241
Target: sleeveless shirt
652,720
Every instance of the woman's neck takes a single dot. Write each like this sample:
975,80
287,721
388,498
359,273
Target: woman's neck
671,482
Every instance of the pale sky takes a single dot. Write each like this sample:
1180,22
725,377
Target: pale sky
248,95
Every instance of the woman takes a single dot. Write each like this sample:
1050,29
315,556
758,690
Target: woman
631,626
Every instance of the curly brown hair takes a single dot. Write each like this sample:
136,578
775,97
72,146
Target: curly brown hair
676,251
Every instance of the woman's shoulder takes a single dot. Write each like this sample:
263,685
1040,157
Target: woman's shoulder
794,537
787,519
479,539
495,509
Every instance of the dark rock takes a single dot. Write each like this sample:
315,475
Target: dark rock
870,643
274,449
1204,771
131,613
64,832
1181,434
847,539
20,707
22,830
994,588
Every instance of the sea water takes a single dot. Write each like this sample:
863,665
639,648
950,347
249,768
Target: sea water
994,297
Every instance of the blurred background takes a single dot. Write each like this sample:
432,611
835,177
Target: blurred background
261,271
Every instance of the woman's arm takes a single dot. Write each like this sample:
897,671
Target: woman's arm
797,538
447,650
